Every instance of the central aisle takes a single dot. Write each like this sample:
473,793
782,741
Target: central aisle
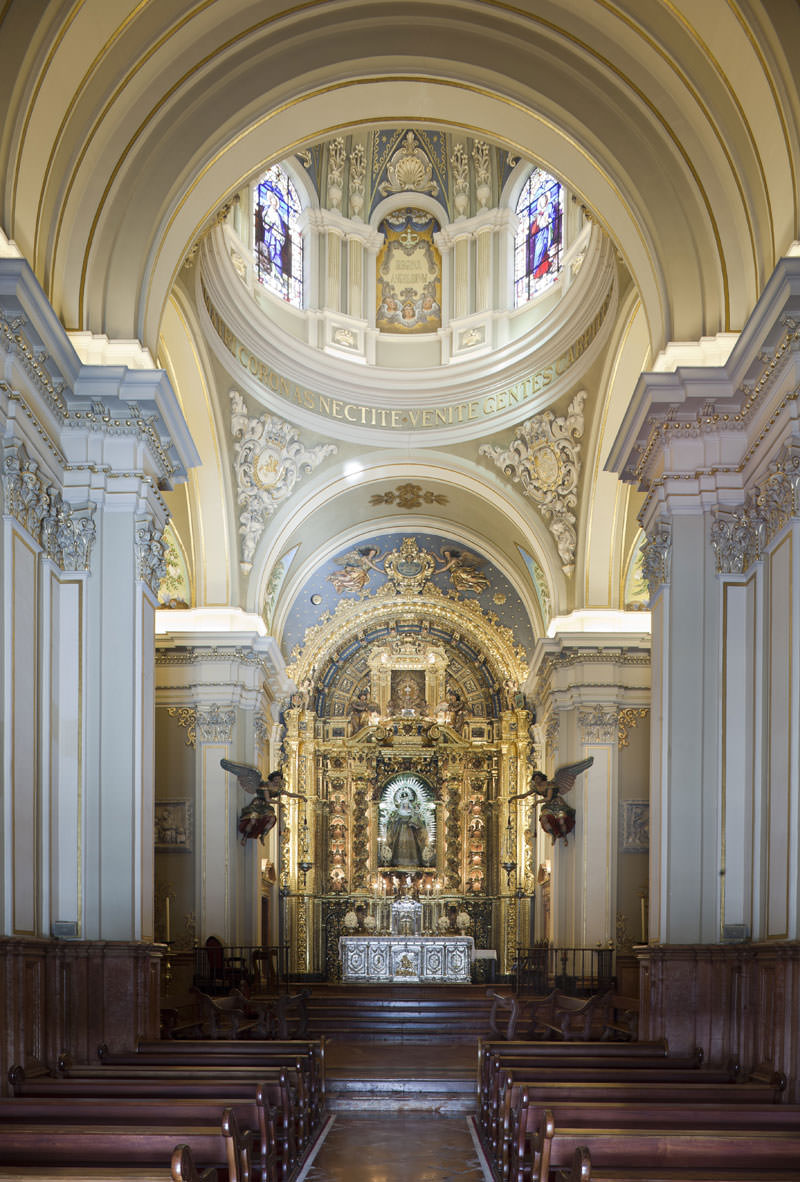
397,1147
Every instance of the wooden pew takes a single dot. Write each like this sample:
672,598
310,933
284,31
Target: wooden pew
181,1169
279,1091
615,1068
188,1051
230,1068
741,1148
618,1017
583,1171
489,1052
640,1114
251,1114
34,1144
497,1109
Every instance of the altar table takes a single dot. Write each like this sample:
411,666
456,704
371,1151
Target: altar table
409,959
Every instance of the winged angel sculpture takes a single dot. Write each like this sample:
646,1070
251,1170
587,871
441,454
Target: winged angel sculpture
257,817
556,817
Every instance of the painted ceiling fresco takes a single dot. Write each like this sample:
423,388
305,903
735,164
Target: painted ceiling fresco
360,570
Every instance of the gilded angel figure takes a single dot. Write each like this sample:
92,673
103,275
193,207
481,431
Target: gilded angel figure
556,817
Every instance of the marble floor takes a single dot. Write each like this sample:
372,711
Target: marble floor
394,1147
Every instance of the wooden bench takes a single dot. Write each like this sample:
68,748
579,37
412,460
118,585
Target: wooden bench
276,1095
561,1016
89,1142
306,1055
284,1087
618,1017
253,1113
641,1114
615,1068
583,1171
181,1169
742,1148
508,1005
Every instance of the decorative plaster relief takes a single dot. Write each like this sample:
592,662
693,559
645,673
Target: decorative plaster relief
409,170
600,724
187,717
269,460
151,554
408,496
629,719
214,724
544,457
358,169
459,165
656,555
66,535
336,162
480,154
739,538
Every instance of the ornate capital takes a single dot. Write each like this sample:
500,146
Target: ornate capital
214,724
600,724
151,554
656,555
269,459
65,534
740,537
544,458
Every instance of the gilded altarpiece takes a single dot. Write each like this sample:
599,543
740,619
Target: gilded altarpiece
456,790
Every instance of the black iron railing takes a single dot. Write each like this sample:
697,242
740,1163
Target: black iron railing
219,968
576,971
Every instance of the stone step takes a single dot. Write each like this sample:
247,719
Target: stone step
446,1097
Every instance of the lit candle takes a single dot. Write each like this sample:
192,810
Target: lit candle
166,918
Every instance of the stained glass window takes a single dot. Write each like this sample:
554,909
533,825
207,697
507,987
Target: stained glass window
537,246
278,242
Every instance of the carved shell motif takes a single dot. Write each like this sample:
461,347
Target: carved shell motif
409,170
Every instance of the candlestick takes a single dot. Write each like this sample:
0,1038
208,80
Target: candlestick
166,918
644,920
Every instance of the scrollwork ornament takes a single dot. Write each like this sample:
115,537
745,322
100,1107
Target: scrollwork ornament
656,554
544,458
214,724
151,554
599,724
269,459
187,718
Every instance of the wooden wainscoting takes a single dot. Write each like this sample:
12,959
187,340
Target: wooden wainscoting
733,1000
71,996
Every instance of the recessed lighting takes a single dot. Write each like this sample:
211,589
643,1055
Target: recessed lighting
316,600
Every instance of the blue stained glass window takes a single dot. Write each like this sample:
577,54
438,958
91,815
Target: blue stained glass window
278,242
539,240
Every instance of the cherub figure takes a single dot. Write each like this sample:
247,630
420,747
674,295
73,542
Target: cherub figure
556,817
464,572
258,817
358,565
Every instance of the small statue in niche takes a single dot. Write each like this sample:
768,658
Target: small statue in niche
258,817
556,817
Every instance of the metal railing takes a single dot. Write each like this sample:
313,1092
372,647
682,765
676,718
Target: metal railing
576,971
219,968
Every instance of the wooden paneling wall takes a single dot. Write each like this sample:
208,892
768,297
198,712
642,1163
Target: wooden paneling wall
737,1001
73,995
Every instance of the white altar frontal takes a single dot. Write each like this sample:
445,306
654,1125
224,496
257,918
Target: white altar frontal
406,959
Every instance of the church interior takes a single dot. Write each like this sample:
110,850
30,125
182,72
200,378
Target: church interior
403,401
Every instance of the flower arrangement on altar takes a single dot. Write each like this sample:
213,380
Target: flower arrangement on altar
463,921
370,923
443,924
350,921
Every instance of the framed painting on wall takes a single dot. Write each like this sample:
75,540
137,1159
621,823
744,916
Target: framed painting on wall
172,826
